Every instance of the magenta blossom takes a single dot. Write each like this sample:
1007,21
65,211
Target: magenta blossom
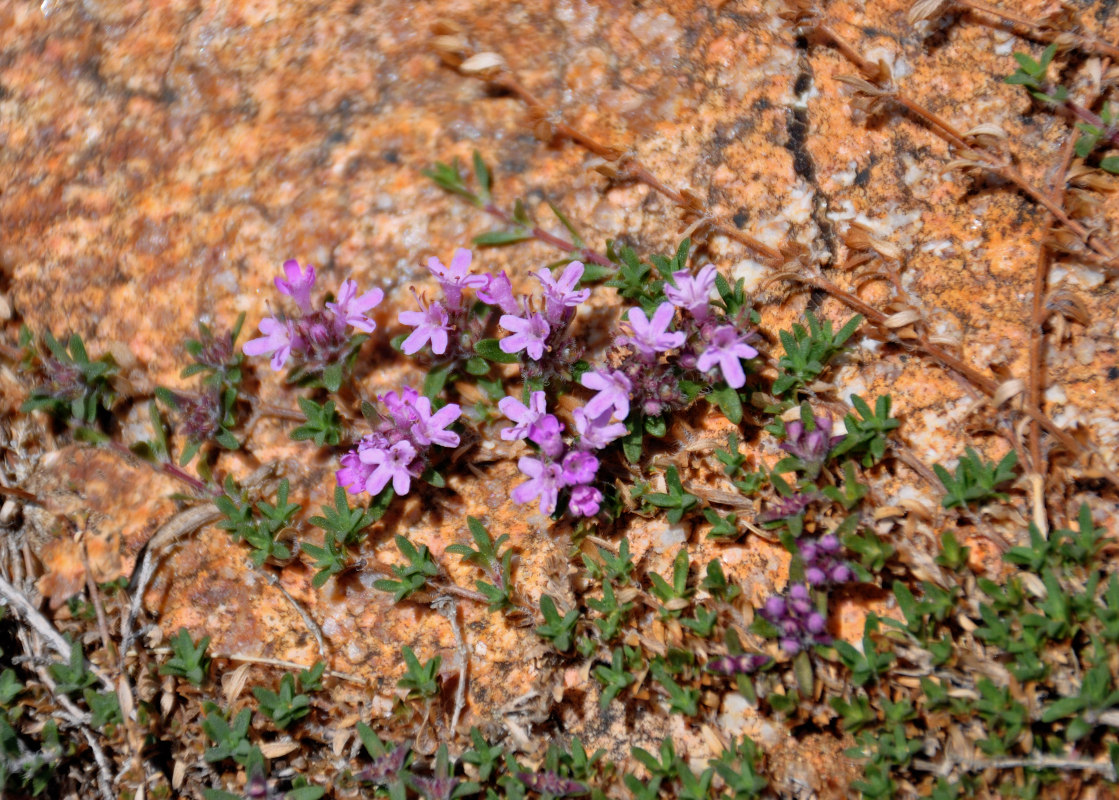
544,482
298,284
521,414
596,433
651,336
430,323
401,406
585,501
399,448
529,335
559,296
314,338
613,389
498,291
456,277
278,340
389,464
693,294
545,432
579,467
350,309
354,472
429,428
726,349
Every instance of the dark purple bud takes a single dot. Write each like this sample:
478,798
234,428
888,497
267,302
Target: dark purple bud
798,623
385,768
774,608
551,783
789,507
435,788
256,786
743,664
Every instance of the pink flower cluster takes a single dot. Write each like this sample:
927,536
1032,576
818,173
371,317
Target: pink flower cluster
399,450
315,337
726,346
435,322
559,466
532,331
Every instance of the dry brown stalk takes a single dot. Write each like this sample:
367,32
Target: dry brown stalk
988,386
541,235
624,166
972,155
498,74
1084,41
1037,312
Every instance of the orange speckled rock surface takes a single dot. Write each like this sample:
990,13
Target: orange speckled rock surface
162,159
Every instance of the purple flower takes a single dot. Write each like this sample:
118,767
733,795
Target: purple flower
521,414
544,482
279,338
385,768
431,324
822,564
596,432
561,295
585,501
350,309
298,284
456,277
651,336
429,428
435,788
498,291
613,389
401,406
354,473
399,447
789,506
797,621
550,783
743,664
692,294
528,334
579,467
726,349
811,447
389,464
546,433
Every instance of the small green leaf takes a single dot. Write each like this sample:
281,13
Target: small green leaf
477,366
482,175
501,237
332,377
729,402
490,349
436,379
